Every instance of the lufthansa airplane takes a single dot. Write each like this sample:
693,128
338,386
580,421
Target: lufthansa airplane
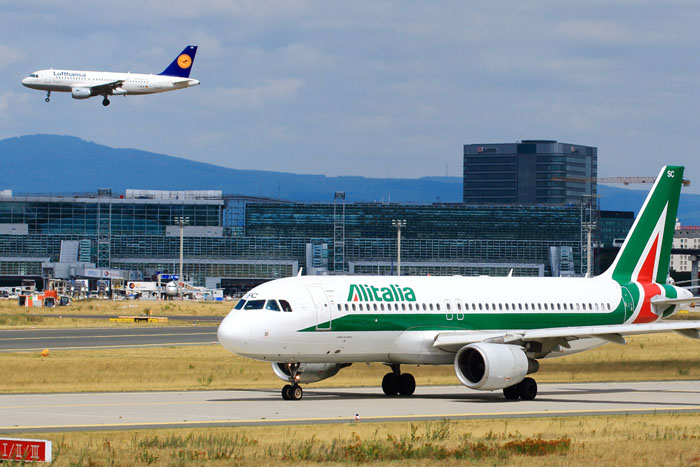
84,84
492,329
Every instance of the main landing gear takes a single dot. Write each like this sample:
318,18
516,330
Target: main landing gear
525,390
105,101
395,383
48,96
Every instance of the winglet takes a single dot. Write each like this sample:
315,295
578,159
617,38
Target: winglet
182,64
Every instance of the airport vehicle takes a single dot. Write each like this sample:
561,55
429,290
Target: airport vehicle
85,84
492,329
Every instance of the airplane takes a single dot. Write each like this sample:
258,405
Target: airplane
85,84
493,330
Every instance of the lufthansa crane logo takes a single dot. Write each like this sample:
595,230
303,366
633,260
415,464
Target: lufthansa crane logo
184,61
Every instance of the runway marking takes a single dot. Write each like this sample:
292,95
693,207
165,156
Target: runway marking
111,346
365,419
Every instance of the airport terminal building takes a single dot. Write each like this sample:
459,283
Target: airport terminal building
235,242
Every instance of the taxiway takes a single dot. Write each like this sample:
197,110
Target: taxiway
118,411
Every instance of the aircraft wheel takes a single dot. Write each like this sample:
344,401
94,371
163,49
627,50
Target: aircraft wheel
285,391
295,392
406,384
47,99
390,384
511,393
105,102
527,389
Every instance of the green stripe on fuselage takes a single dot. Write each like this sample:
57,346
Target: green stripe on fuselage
471,321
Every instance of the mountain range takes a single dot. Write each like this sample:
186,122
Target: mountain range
66,164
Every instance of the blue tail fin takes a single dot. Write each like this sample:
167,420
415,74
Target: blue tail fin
182,64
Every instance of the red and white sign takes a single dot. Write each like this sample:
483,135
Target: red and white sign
30,450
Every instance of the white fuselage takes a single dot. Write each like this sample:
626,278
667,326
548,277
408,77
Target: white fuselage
134,83
329,322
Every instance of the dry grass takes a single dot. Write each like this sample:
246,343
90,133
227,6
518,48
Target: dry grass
652,357
12,316
610,440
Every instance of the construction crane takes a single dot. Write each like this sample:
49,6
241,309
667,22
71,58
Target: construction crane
623,180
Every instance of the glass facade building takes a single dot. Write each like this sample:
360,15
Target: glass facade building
229,238
529,172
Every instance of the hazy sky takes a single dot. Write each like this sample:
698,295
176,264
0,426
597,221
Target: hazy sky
374,88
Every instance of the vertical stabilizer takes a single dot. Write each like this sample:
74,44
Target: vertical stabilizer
182,65
646,253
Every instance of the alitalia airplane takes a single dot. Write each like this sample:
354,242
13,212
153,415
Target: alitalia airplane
85,84
492,329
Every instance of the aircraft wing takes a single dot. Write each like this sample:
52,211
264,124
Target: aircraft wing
453,341
107,88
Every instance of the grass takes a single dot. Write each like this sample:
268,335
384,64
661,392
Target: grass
12,316
650,357
605,440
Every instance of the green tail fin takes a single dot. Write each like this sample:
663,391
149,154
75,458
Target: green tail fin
646,254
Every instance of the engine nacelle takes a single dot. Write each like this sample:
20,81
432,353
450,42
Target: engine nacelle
308,372
81,93
489,366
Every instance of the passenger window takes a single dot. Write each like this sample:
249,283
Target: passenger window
447,305
396,306
424,309
506,307
239,305
480,307
272,305
353,307
486,306
526,307
381,305
437,306
431,307
545,306
559,306
285,306
564,306
520,306
459,306
410,307
359,305
608,307
347,308
254,305
403,306
340,308
375,307
596,307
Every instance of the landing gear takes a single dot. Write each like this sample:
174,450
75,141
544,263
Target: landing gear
48,96
398,383
525,390
292,392
105,101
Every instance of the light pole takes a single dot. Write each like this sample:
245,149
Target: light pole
399,224
182,221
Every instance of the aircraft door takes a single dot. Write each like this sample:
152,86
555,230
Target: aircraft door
323,309
628,302
460,310
449,312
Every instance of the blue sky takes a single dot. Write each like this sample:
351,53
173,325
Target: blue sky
374,88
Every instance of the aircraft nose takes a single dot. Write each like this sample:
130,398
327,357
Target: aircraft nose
25,81
234,332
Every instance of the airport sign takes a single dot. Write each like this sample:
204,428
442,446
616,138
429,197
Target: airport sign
26,450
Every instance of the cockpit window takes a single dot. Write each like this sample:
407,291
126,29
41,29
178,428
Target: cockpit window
285,305
272,305
33,75
254,305
239,305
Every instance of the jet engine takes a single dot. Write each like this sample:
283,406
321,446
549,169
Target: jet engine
488,366
308,372
81,93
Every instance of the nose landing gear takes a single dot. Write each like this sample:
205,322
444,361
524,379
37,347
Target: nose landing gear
48,96
292,392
